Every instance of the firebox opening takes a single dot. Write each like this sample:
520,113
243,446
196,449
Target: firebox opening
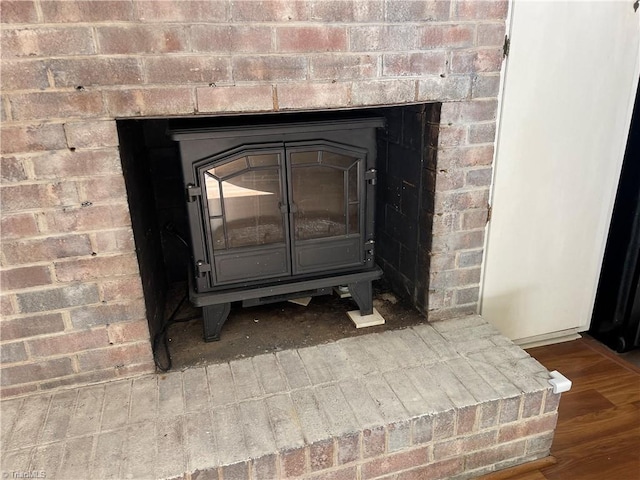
406,152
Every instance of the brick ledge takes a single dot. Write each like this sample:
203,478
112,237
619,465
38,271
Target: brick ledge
452,399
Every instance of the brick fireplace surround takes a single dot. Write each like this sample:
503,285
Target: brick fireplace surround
72,303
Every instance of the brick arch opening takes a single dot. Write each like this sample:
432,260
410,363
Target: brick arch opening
404,201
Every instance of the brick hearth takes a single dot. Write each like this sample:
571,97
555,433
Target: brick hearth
453,400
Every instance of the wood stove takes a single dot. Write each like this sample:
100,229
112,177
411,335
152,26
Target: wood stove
279,210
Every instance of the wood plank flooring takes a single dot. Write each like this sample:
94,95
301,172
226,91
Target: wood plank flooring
598,432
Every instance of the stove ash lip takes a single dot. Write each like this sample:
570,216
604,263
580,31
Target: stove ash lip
270,289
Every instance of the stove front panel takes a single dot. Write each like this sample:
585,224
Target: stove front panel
287,203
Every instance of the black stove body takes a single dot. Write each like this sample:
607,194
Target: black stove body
279,211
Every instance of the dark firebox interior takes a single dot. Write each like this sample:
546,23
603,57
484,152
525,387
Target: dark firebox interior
406,153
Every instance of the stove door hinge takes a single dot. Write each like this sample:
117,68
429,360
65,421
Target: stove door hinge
193,193
371,176
202,268
506,46
369,249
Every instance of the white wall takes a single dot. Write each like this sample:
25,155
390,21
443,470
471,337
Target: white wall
569,86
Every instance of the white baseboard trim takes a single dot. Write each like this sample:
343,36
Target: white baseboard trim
548,338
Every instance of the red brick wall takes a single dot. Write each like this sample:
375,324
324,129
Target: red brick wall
71,301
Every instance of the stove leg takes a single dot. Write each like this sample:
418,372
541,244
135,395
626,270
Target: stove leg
362,293
214,317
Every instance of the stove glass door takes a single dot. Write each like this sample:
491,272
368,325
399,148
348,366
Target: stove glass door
246,207
325,185
281,211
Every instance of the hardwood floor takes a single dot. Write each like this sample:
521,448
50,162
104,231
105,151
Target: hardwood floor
598,432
